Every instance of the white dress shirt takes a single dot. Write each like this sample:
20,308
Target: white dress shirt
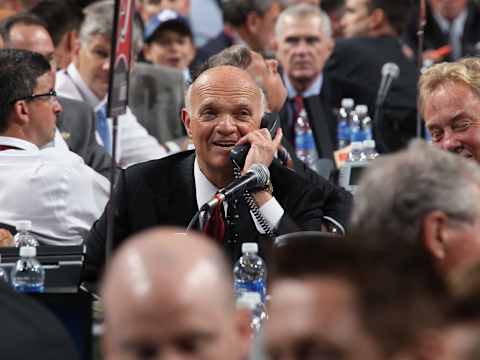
134,144
52,188
272,211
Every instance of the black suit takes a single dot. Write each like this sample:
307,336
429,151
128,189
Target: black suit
435,38
212,47
76,123
360,61
162,192
30,331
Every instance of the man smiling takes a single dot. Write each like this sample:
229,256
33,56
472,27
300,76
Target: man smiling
224,107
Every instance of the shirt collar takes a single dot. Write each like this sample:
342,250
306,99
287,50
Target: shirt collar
19,143
82,87
457,24
205,190
314,89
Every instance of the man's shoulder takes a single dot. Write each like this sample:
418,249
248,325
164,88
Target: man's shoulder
174,162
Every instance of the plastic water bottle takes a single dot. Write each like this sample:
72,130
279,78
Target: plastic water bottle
305,147
343,123
23,237
369,152
253,302
28,274
356,132
3,273
355,152
367,128
250,272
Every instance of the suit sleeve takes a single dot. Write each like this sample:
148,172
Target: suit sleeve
97,238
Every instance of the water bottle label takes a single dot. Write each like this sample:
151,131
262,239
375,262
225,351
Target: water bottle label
250,286
25,288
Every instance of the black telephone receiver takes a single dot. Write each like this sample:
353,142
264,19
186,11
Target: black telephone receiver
239,153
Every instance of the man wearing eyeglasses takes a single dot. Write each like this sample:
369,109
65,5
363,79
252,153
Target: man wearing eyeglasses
52,188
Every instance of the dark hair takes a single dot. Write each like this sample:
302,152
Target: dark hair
8,23
236,55
19,71
398,291
397,12
60,16
235,12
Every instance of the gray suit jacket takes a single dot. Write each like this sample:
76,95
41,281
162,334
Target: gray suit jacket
156,97
76,123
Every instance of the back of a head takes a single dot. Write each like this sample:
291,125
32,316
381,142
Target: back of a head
235,12
396,12
60,16
19,71
301,12
236,55
398,191
398,292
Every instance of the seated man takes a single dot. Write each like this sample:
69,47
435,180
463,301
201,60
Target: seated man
87,79
224,107
336,298
153,309
51,187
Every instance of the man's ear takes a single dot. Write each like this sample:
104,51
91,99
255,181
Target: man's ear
186,119
244,331
252,22
377,19
434,231
21,112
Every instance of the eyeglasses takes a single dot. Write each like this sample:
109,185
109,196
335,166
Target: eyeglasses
52,94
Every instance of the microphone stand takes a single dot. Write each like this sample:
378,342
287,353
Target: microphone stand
422,21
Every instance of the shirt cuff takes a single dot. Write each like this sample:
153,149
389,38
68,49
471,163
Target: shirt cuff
272,211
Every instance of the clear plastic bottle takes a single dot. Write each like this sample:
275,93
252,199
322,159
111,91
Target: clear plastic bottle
305,147
23,237
369,152
250,272
253,302
343,123
355,152
28,274
356,130
367,128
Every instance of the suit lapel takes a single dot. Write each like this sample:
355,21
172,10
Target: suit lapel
321,125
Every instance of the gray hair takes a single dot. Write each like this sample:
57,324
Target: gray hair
188,97
99,21
398,191
301,12
235,12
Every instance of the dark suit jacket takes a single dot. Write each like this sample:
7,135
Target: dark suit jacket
212,47
156,98
360,61
162,192
76,123
30,331
435,38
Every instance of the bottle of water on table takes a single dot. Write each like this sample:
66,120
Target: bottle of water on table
250,272
28,275
23,237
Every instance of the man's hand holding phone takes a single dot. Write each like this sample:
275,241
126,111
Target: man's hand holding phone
262,151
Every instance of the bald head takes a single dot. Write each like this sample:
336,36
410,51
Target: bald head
164,290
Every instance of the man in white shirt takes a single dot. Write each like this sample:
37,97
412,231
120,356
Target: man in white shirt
52,187
87,79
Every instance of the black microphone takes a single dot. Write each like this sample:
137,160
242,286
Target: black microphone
390,71
257,175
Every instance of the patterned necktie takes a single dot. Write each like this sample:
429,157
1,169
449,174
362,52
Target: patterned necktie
215,226
102,128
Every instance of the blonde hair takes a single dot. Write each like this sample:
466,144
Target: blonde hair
465,71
